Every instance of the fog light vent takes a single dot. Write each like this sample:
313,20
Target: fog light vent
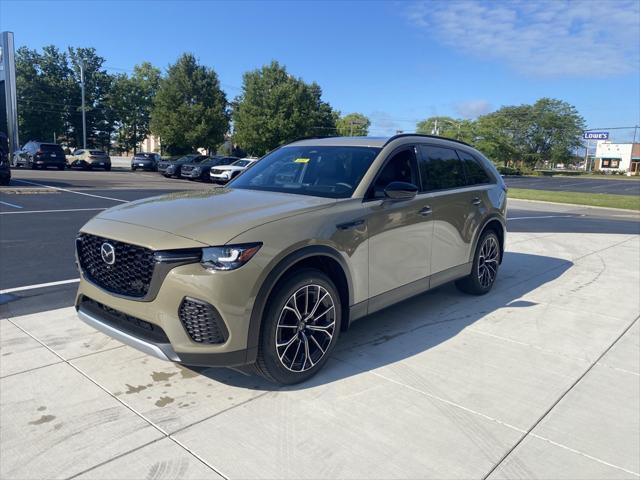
202,321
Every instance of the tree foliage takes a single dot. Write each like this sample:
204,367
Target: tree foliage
275,108
49,97
131,99
190,109
353,125
547,131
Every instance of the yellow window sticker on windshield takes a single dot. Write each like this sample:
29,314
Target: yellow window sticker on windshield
301,160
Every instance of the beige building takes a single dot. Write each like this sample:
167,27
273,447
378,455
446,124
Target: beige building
150,144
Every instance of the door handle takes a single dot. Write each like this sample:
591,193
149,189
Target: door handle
425,211
476,201
349,225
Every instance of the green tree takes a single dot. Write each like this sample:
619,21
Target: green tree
131,99
42,84
190,109
530,135
555,131
353,125
275,108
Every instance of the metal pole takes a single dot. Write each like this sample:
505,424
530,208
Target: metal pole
84,120
8,74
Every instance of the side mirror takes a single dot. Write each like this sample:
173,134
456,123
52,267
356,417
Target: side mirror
400,191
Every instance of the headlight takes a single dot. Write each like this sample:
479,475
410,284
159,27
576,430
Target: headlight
197,170
228,257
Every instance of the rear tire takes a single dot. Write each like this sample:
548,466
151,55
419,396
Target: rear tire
107,168
484,269
60,167
300,328
133,169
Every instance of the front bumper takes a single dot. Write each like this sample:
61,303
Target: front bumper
220,289
191,174
218,178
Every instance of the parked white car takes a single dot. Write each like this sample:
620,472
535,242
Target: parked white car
224,173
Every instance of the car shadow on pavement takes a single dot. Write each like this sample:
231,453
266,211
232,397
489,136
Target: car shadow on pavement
419,323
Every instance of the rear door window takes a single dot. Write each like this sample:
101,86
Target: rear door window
475,172
440,168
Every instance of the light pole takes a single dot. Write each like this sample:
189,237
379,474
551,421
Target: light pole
436,131
84,120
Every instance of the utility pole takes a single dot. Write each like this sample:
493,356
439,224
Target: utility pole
84,120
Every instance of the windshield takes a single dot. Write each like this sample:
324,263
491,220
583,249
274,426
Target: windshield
332,172
241,163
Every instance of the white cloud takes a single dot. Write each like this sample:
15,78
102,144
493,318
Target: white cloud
542,38
472,108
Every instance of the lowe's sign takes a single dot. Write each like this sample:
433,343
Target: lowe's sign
595,135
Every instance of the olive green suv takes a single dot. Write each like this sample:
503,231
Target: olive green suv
268,270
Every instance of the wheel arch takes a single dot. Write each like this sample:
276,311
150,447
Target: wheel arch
321,257
495,223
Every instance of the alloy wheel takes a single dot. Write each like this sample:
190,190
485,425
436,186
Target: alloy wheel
488,262
305,328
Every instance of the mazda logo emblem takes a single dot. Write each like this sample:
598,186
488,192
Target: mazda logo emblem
108,253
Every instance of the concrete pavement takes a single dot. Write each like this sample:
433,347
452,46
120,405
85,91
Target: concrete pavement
538,379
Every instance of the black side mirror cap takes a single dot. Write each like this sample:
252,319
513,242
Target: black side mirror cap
400,191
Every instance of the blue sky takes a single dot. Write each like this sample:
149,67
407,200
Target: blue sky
396,61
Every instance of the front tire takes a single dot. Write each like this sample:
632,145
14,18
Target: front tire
485,266
300,328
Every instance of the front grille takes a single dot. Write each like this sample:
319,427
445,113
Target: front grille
129,275
202,321
124,322
187,168
216,171
162,166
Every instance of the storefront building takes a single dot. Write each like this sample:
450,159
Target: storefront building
617,157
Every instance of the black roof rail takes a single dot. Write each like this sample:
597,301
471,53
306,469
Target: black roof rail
400,135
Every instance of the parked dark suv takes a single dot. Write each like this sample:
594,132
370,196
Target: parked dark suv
201,170
40,155
173,168
145,161
271,268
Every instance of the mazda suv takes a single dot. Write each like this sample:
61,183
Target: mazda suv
270,269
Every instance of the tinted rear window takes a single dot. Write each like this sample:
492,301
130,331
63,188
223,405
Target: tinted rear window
440,168
50,148
476,174
144,155
96,152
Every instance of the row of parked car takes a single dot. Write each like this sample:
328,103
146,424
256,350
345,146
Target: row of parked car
216,169
36,155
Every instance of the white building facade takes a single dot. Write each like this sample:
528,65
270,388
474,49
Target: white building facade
612,157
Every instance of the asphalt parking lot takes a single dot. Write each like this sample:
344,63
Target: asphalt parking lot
573,184
538,379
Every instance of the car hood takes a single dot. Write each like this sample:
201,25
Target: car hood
229,168
212,217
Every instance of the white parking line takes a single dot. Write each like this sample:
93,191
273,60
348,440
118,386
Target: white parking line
39,285
10,205
72,191
545,216
52,211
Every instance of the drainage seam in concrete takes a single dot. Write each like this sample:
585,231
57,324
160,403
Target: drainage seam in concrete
546,413
129,407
